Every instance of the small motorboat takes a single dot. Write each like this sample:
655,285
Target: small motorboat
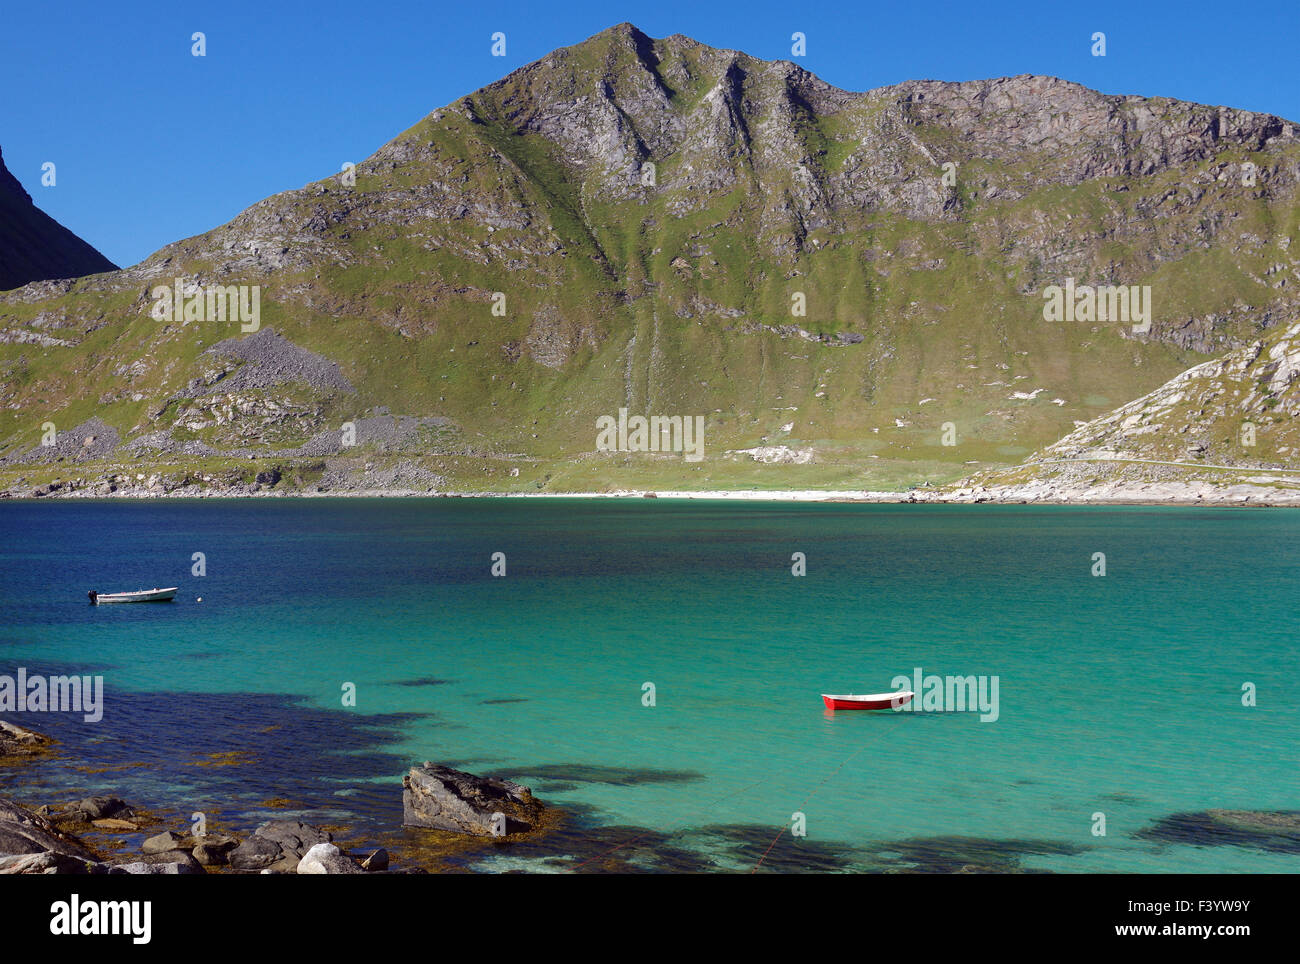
875,701
142,595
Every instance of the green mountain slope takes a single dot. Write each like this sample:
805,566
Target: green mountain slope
672,294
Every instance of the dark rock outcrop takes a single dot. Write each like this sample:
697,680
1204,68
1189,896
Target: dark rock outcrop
255,853
446,799
99,808
292,836
277,845
34,246
214,851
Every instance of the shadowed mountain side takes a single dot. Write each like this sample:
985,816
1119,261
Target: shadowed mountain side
35,247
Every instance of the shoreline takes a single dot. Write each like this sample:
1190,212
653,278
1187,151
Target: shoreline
76,830
1164,494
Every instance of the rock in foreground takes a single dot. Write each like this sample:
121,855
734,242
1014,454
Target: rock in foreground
17,741
277,845
447,799
325,858
24,833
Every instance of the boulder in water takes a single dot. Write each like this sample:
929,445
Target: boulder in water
446,799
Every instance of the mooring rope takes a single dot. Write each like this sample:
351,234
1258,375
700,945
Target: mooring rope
804,802
727,796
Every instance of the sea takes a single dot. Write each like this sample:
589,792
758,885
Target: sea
654,670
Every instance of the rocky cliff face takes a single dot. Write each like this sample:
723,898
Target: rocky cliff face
1224,430
676,229
35,247
1242,409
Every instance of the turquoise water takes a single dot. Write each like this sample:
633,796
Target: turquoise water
1119,695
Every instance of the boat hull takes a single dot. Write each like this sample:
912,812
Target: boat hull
876,701
144,595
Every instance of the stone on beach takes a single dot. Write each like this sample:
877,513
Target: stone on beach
99,808
325,858
112,823
165,858
446,799
277,845
292,836
213,851
167,840
49,862
170,868
255,853
31,844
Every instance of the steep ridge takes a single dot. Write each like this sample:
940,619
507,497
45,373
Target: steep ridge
35,247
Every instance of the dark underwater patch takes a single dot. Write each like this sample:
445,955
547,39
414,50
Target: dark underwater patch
773,850
964,855
1275,831
220,753
577,773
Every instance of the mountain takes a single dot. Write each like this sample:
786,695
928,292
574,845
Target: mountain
510,270
35,247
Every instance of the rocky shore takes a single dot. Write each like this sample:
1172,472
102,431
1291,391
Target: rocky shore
438,800
1261,490
453,821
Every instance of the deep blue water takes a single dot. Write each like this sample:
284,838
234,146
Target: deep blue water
1119,695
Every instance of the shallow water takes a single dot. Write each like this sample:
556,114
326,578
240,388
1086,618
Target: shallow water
1119,695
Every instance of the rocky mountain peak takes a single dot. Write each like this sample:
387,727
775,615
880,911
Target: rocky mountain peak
10,188
35,247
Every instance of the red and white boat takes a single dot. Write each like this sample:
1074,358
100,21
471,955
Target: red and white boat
874,701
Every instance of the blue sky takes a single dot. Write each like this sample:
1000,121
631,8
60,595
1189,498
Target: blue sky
152,144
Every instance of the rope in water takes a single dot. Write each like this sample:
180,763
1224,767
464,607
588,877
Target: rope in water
727,796
804,802
642,836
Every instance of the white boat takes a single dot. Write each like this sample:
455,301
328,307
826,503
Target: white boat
142,595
